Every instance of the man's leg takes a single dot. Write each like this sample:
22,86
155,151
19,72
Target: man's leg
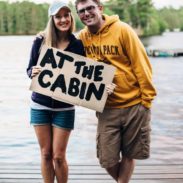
122,171
126,170
109,140
114,171
137,132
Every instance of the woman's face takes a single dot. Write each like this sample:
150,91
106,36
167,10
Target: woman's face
62,20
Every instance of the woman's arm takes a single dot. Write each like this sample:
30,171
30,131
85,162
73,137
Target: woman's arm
34,55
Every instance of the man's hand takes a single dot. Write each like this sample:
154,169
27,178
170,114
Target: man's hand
40,35
110,88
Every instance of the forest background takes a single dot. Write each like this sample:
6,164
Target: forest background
28,18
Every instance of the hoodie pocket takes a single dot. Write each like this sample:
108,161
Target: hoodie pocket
126,86
126,89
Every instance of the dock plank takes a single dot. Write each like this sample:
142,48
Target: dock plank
143,173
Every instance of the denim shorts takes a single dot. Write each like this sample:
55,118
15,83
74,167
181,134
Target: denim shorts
59,119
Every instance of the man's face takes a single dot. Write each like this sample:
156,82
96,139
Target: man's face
90,13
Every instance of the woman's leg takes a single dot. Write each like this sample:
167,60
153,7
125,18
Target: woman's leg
60,141
44,136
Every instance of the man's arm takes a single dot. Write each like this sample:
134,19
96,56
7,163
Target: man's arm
140,64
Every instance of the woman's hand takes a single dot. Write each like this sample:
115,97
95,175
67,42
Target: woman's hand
35,70
110,88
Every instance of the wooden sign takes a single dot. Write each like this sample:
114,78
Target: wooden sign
72,78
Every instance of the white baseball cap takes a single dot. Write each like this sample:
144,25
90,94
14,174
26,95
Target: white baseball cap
56,6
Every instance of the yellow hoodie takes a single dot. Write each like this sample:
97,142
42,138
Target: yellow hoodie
117,44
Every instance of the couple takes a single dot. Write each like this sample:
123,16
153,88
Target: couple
123,132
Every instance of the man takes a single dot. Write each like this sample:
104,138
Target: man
123,132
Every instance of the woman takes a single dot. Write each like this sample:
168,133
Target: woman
53,120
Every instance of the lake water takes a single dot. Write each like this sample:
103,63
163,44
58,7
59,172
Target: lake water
17,139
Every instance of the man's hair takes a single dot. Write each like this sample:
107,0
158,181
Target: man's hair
79,1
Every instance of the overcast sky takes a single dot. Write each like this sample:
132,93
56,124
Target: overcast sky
174,3
157,3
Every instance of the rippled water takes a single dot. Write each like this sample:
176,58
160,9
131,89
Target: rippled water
17,139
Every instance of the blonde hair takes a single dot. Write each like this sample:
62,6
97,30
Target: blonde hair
51,32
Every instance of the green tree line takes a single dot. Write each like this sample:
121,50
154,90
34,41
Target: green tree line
143,16
20,18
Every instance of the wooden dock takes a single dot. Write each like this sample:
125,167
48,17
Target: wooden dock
144,173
